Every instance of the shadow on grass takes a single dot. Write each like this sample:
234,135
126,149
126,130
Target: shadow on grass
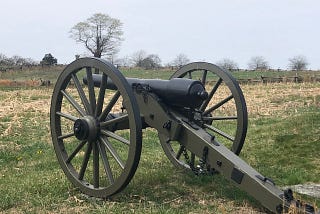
178,190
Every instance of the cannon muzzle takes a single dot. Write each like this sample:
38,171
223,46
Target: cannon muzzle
175,92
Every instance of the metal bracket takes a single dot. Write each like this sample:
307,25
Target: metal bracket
265,179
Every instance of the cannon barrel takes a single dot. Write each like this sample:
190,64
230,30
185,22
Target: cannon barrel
175,92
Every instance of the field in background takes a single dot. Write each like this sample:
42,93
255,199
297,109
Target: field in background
282,143
38,74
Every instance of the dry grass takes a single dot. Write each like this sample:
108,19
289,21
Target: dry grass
275,99
272,99
14,83
17,102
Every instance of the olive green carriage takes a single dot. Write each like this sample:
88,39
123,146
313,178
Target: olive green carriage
97,117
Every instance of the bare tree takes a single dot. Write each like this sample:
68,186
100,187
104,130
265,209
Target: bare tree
100,34
12,61
3,60
137,58
141,59
30,62
152,61
180,60
298,63
228,64
17,60
258,63
123,62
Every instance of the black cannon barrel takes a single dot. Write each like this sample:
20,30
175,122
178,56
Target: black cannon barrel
175,92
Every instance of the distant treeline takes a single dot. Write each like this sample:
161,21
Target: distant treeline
15,62
18,63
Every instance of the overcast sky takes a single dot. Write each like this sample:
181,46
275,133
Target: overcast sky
207,30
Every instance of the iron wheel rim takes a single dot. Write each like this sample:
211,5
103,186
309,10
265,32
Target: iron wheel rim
223,77
99,145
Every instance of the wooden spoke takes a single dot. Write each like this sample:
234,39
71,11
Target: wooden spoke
113,152
212,92
211,109
85,161
75,152
61,137
103,87
179,153
114,121
92,96
105,162
82,95
73,103
68,116
115,136
95,154
110,105
204,77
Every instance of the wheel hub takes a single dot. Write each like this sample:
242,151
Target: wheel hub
86,128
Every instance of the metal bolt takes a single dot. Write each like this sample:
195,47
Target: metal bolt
219,163
167,125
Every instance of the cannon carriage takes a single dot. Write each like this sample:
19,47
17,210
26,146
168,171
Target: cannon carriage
97,117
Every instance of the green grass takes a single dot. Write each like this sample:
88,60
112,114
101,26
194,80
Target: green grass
284,148
31,181
34,73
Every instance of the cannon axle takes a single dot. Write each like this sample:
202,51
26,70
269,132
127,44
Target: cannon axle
86,128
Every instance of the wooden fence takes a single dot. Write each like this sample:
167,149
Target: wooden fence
285,79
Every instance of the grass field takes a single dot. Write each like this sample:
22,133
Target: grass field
51,73
283,142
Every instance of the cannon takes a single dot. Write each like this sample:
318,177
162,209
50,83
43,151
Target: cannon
97,117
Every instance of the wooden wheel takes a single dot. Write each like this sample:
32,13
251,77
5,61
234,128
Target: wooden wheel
224,112
97,156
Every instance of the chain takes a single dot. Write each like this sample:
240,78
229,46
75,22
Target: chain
203,161
202,168
186,157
